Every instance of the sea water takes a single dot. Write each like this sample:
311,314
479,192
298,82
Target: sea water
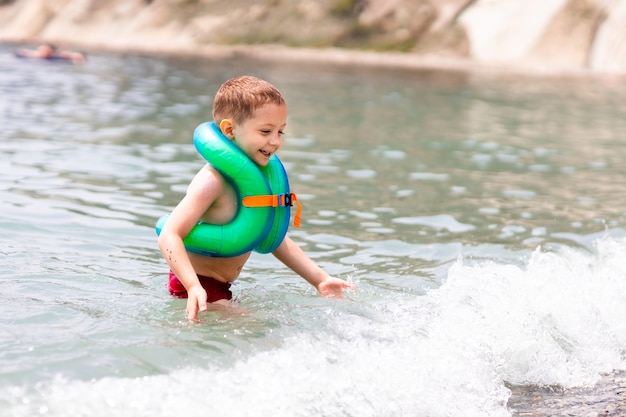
479,216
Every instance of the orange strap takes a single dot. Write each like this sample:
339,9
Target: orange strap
282,200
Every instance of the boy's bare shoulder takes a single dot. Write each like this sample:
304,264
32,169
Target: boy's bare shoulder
213,194
208,179
208,174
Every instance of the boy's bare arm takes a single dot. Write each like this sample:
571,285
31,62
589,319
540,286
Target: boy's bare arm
292,255
201,193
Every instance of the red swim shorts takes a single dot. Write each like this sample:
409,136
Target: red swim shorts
215,290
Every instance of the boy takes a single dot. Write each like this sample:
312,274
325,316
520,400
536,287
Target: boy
252,114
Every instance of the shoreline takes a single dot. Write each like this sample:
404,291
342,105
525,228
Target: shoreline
338,57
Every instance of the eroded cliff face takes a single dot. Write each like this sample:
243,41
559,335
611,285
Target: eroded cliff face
551,34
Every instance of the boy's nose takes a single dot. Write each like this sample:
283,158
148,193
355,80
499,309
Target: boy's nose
275,140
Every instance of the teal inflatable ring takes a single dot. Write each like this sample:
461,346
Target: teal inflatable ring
263,213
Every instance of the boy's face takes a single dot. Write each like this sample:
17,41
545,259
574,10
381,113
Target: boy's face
260,136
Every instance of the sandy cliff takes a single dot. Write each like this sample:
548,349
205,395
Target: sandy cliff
551,35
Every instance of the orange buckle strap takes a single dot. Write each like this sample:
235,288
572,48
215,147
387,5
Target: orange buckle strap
296,218
280,200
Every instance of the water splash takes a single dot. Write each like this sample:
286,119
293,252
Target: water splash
554,320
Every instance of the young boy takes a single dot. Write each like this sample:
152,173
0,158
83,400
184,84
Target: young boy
252,114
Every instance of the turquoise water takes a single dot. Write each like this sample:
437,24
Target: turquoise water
481,218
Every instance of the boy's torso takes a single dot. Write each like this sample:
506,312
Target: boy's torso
222,269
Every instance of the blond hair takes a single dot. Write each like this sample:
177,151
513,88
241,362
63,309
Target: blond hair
239,97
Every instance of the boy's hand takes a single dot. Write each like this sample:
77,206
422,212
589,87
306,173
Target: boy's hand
333,287
196,301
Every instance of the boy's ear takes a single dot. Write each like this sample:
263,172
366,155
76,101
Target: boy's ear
226,126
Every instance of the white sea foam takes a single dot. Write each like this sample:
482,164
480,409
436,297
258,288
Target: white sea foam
557,319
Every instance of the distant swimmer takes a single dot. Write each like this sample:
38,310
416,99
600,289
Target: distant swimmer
51,52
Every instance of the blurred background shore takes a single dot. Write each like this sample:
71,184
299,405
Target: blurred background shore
539,36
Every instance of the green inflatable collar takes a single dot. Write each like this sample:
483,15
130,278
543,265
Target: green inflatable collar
263,215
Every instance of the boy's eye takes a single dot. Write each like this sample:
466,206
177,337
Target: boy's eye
269,132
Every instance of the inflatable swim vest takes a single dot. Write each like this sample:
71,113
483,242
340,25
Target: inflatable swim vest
262,218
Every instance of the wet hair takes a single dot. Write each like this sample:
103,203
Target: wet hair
239,97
